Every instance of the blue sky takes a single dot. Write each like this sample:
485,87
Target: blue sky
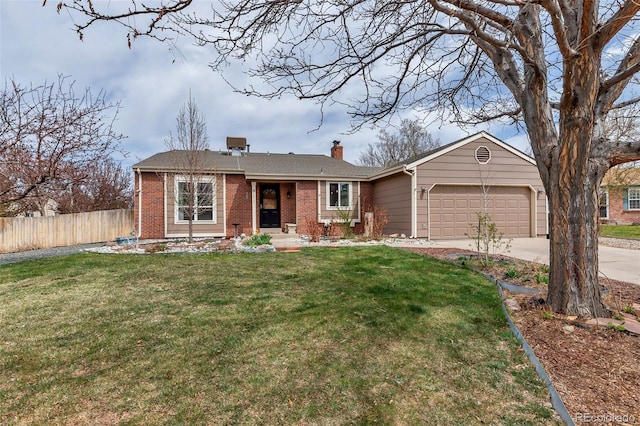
151,82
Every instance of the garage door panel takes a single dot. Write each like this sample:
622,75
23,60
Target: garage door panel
453,210
512,217
475,204
462,218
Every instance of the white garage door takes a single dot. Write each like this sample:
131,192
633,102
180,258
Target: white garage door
453,210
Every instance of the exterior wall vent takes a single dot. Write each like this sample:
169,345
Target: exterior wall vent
483,155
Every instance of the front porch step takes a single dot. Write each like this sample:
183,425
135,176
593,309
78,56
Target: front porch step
277,233
271,231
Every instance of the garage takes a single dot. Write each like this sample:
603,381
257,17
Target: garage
453,208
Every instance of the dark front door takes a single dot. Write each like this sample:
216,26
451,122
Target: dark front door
270,206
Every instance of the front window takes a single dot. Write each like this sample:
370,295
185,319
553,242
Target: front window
634,198
603,212
195,200
339,194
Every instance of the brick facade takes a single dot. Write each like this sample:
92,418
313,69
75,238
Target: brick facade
617,213
306,205
287,203
298,204
153,213
238,208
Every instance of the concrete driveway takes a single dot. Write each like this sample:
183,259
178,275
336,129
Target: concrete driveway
615,263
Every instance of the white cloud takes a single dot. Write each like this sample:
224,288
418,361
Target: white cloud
151,82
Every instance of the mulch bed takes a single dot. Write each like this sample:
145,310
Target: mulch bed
595,369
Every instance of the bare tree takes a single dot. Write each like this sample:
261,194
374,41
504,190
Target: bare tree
624,127
50,137
558,67
107,187
412,139
194,194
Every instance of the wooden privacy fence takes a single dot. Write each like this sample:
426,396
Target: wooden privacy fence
26,233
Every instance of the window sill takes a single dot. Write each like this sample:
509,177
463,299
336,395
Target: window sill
196,222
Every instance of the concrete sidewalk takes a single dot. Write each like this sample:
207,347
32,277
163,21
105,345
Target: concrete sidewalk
615,263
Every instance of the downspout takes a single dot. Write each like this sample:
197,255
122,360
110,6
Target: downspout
359,218
414,204
533,212
319,203
164,190
139,233
254,205
429,212
224,203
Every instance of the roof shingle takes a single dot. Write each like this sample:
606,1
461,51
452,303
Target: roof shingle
263,165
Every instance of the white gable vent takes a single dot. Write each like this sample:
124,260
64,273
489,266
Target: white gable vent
483,155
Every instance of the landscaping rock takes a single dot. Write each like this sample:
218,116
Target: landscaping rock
512,304
535,302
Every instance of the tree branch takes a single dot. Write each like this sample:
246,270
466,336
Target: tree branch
617,22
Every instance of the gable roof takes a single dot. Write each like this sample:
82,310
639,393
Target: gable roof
412,162
306,166
263,165
419,159
622,176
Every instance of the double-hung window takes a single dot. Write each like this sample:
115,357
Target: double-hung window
633,198
339,195
195,200
603,211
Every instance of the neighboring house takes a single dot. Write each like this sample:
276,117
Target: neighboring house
434,196
50,209
620,196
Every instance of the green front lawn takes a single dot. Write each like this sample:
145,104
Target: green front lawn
620,231
324,336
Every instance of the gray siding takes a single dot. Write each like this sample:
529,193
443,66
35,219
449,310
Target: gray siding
331,214
459,167
393,193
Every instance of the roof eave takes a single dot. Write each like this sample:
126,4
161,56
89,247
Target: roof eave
151,169
280,176
387,172
467,140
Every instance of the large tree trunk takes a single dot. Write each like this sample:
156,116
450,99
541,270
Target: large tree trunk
573,274
573,182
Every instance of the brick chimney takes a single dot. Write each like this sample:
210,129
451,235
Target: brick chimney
336,150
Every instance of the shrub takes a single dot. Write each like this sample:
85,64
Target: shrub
542,278
344,222
312,229
380,218
512,273
258,240
486,236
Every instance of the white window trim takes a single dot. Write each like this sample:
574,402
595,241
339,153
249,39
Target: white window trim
606,194
176,214
328,196
636,191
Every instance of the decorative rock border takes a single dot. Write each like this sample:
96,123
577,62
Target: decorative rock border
556,400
